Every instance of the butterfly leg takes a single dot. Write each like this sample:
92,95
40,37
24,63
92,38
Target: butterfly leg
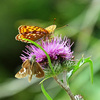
30,74
30,78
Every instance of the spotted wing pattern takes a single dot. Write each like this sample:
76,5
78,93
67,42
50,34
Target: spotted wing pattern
30,68
33,33
25,70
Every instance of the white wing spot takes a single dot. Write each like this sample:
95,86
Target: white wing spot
33,34
23,71
39,72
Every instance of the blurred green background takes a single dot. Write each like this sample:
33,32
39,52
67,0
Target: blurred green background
83,19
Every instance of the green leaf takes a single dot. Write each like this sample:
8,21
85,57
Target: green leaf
81,62
45,93
44,80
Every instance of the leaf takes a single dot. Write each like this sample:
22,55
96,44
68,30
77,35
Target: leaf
80,63
44,80
45,93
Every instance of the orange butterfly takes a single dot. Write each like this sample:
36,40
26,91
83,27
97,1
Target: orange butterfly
30,67
34,33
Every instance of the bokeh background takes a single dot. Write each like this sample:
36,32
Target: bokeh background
83,19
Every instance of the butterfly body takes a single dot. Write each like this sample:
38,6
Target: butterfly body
30,67
34,33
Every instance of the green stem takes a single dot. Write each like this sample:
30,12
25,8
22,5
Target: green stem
45,93
48,57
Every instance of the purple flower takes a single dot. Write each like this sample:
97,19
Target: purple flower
58,49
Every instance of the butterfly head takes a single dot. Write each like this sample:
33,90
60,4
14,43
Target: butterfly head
33,58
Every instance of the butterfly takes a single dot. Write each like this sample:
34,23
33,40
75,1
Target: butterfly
30,67
34,33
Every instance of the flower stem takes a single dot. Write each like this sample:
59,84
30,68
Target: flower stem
64,78
64,86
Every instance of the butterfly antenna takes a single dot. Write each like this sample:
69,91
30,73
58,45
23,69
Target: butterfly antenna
62,26
54,21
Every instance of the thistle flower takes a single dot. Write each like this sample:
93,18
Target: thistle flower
58,49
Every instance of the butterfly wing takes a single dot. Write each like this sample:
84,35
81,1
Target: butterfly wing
30,68
25,70
51,29
37,70
30,32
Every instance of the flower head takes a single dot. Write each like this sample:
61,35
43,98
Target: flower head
58,49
